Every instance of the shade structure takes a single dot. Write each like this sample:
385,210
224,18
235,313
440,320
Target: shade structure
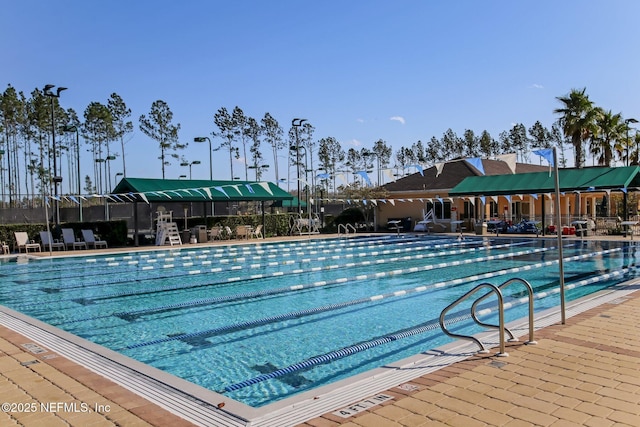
180,190
582,180
293,203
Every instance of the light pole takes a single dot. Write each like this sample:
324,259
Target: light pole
108,171
115,179
296,123
56,178
195,162
202,139
259,169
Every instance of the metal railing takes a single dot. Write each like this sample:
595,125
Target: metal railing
345,228
497,290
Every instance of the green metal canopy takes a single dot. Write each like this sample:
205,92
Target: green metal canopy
584,179
180,190
293,203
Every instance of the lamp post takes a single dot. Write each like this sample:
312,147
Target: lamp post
259,169
99,186
1,176
195,162
202,139
47,92
115,179
296,123
107,172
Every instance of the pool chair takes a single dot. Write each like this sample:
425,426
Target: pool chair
228,233
49,243
216,233
23,242
90,240
242,232
257,233
70,241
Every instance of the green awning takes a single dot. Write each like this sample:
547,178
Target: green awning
293,203
584,179
180,190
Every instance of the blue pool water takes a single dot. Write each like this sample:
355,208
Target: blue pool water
261,322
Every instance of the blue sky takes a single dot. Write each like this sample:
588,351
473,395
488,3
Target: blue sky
358,70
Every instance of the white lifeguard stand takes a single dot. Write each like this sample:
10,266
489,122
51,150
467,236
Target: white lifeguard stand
167,230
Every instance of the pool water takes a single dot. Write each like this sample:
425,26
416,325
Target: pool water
262,322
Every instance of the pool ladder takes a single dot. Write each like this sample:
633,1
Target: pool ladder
345,228
497,290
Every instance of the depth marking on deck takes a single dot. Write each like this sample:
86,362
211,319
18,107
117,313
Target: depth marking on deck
356,408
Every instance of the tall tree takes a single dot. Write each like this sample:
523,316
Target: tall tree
451,145
608,137
239,121
97,130
330,155
419,151
433,151
405,157
39,116
273,136
487,145
577,120
560,140
120,114
252,131
471,144
519,141
10,110
383,153
159,127
540,136
225,123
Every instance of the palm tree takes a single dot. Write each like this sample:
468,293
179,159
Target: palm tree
578,120
609,137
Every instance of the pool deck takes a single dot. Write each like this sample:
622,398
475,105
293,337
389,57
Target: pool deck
583,373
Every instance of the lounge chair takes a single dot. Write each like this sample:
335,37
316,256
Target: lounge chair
23,242
242,232
69,239
49,243
90,240
257,233
215,233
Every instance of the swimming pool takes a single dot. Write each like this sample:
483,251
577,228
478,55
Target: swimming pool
262,322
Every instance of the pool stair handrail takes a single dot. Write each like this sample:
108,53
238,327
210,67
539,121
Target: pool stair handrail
492,288
501,327
529,288
346,228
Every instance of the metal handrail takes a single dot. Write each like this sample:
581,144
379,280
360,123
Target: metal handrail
346,228
501,287
498,293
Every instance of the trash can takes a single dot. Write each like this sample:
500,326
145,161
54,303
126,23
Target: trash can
200,232
481,229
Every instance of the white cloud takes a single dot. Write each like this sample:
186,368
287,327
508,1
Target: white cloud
536,86
360,120
398,119
355,143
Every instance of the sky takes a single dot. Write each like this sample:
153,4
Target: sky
357,70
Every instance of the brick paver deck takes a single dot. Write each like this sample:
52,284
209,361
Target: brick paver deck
48,390
583,373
